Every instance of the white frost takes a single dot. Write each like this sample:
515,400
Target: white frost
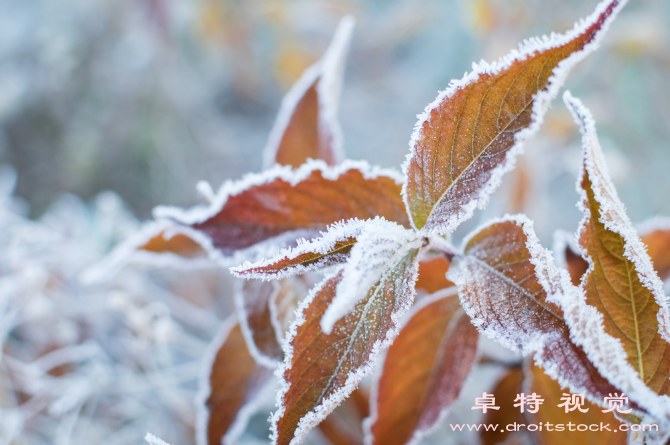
585,322
328,71
129,252
266,248
153,440
242,300
564,240
369,421
331,402
202,417
337,232
381,244
542,100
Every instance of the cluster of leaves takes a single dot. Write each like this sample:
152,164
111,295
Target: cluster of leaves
596,324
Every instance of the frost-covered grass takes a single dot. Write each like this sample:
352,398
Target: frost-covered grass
102,362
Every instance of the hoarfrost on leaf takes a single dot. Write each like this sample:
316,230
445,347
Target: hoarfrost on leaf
256,216
379,247
507,284
320,370
620,313
470,135
331,248
307,124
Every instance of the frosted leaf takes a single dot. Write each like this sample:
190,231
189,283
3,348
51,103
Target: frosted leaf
307,125
423,372
230,387
379,247
620,313
158,244
331,248
506,280
252,300
263,212
263,310
320,370
471,134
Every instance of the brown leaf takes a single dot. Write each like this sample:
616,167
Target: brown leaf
504,279
179,244
233,381
621,295
252,299
294,203
658,248
285,302
344,425
576,265
468,136
263,308
504,393
320,370
568,256
549,413
433,274
424,371
302,262
307,125
333,247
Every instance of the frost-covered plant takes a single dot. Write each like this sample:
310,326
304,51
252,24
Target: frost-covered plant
598,328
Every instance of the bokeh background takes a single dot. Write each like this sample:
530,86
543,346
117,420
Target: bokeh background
109,108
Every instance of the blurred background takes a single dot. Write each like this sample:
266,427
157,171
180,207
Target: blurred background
146,97
109,108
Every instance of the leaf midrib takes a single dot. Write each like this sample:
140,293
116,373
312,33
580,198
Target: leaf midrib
512,283
437,202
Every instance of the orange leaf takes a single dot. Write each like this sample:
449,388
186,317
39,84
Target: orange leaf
293,204
433,274
620,316
657,240
504,393
468,137
233,381
343,426
259,304
163,243
321,370
307,125
424,371
576,265
252,299
178,244
567,256
332,248
550,414
505,278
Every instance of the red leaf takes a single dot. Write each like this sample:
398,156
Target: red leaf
505,280
307,125
656,236
320,370
293,203
433,274
258,305
504,393
468,137
233,381
424,371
